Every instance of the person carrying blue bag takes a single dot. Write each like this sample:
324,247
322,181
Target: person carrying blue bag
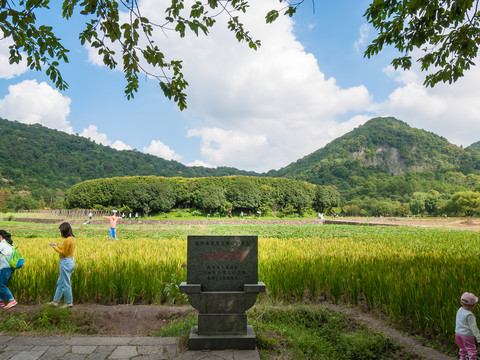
7,300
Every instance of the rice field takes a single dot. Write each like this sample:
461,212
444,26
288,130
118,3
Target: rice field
414,275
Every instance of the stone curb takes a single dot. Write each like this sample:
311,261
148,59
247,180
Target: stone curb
108,348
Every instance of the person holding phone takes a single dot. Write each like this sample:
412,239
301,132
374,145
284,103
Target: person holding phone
67,264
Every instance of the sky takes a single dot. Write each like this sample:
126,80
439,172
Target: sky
307,85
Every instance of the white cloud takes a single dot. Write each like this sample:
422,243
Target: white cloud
200,163
220,146
30,102
7,70
364,32
92,133
159,149
273,105
120,145
259,110
449,110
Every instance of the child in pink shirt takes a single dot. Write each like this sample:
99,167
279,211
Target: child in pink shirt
466,329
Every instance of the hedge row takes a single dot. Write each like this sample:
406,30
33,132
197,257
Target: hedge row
158,194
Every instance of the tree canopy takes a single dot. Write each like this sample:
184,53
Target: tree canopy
446,32
158,194
106,29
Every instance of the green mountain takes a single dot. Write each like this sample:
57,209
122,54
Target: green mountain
384,158
39,159
382,147
475,146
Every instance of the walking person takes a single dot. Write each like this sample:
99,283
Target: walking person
67,264
113,224
466,329
7,300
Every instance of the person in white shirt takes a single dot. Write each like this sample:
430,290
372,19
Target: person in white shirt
6,272
466,329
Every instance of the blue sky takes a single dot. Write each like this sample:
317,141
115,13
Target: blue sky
255,110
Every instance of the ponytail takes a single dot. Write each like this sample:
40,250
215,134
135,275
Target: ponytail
6,235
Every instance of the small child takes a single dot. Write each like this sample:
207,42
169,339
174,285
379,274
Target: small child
466,329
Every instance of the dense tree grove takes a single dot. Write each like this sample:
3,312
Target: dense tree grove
151,194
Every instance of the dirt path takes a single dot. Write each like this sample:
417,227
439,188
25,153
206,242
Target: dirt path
144,320
471,224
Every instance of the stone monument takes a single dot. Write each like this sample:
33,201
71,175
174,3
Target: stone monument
222,284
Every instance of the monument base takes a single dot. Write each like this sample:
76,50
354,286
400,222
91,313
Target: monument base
222,342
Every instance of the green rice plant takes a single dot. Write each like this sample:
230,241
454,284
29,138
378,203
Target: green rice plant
415,276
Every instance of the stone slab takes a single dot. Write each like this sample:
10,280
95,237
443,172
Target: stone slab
27,355
46,341
97,340
222,324
222,342
153,341
5,339
55,352
124,352
77,349
222,263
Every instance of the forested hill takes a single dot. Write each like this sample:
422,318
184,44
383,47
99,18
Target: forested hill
474,146
37,158
381,146
384,158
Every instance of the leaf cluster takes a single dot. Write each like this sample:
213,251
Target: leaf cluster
112,25
42,48
446,32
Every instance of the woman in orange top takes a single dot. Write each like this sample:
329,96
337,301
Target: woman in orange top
67,264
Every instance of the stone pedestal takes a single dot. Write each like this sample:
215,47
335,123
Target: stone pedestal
222,317
222,284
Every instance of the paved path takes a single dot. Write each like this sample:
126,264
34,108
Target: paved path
111,348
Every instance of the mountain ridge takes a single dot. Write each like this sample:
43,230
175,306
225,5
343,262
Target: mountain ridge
42,160
382,145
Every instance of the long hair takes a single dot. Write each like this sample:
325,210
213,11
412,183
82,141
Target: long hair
66,230
6,235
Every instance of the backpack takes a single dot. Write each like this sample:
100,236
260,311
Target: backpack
16,260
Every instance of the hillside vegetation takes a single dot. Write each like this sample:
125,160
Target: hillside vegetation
475,146
384,167
387,159
42,160
381,146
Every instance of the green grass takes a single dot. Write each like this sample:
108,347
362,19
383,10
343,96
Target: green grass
180,327
47,320
306,333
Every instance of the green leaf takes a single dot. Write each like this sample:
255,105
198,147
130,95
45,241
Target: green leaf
271,16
